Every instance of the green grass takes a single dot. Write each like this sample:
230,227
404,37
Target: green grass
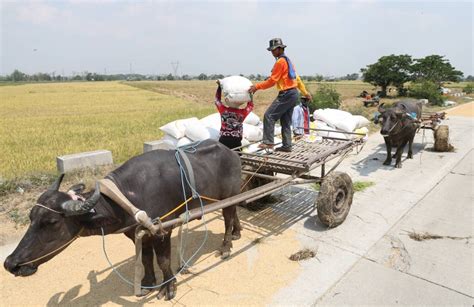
39,122
360,186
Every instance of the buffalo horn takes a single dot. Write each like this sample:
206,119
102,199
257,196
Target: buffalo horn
78,207
57,183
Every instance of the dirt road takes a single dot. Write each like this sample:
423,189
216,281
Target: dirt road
81,276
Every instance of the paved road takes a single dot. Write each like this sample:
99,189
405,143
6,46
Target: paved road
370,259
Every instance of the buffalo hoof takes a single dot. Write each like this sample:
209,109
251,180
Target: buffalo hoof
236,236
225,251
410,155
145,292
225,255
398,165
386,162
167,291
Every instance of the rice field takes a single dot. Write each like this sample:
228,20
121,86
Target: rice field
39,122
203,92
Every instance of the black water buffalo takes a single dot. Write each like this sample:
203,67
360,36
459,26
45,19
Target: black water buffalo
399,125
152,183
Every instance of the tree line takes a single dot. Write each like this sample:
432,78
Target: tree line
18,76
397,70
392,70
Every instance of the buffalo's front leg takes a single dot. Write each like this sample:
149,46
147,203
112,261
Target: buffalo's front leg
388,145
162,246
229,217
149,279
400,148
410,151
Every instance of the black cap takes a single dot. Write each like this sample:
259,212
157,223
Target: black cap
275,43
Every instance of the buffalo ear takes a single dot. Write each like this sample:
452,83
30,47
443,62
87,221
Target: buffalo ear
77,188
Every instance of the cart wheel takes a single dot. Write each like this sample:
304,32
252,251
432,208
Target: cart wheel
334,199
256,182
441,136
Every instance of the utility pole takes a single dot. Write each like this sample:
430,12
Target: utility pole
175,66
130,67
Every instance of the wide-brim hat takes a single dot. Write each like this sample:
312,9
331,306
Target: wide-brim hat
276,43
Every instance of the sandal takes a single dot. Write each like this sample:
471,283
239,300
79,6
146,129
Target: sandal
266,146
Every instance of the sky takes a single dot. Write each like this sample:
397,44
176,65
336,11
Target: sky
331,38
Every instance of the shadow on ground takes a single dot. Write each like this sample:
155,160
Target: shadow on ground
293,205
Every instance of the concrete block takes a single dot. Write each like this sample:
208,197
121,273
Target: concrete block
154,145
68,163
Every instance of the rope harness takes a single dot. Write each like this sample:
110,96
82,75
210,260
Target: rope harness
57,249
140,232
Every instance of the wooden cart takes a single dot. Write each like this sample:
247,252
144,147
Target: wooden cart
432,121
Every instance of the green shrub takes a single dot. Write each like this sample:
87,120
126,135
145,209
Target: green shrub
325,97
426,90
469,88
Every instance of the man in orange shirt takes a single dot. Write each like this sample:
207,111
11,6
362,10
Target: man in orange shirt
288,83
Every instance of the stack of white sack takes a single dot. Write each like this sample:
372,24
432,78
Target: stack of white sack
235,90
185,131
337,120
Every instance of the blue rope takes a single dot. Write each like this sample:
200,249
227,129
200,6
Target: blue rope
190,148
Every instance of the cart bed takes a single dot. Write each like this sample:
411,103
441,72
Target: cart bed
303,157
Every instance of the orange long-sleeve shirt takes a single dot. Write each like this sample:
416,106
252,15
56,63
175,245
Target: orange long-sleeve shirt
280,78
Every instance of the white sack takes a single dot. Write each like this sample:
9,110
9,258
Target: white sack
196,131
170,140
361,121
176,128
235,89
336,118
213,121
277,130
324,126
252,148
252,133
213,133
183,141
252,119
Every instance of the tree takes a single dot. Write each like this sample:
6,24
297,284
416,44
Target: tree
389,70
325,97
426,90
18,76
469,78
353,76
435,68
202,76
